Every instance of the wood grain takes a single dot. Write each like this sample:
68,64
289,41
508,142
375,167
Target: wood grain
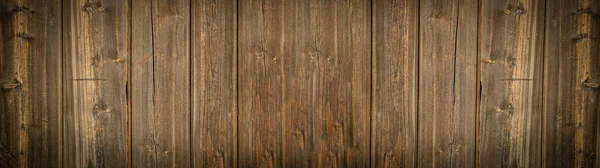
161,83
447,83
214,113
511,56
395,68
304,68
96,46
30,78
511,68
571,84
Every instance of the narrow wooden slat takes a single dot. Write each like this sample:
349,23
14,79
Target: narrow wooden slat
571,84
447,83
511,56
214,83
304,83
96,46
161,83
395,56
30,78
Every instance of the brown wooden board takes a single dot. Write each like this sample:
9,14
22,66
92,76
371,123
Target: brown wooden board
395,68
511,55
96,48
161,83
214,84
30,83
447,83
304,83
571,84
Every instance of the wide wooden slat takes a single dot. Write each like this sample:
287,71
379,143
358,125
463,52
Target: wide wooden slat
30,83
511,56
447,83
304,83
96,46
214,76
395,56
161,83
571,84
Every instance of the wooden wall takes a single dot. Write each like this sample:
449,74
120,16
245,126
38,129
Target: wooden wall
300,83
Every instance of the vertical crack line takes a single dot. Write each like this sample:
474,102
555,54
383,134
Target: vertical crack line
154,5
128,88
418,81
453,111
371,104
237,74
478,85
191,82
541,90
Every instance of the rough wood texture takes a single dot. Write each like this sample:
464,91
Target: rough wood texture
95,77
305,69
511,58
571,84
30,83
395,56
447,83
161,83
214,75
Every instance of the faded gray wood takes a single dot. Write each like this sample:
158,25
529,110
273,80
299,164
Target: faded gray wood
447,83
30,83
571,84
161,83
96,47
214,74
395,77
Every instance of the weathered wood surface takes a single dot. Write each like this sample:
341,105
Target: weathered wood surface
161,106
96,51
395,88
511,55
30,83
447,83
571,84
304,83
299,83
214,124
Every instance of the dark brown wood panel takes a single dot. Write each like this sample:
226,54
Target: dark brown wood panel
96,47
161,83
447,83
395,63
571,84
214,84
304,83
511,55
30,78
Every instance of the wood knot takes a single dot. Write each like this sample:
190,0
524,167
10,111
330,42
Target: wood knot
101,9
591,84
11,85
582,11
580,36
506,12
10,8
25,36
520,12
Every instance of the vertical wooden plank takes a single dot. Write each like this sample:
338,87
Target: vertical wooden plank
304,83
571,85
511,68
214,116
30,78
447,83
395,56
161,83
95,80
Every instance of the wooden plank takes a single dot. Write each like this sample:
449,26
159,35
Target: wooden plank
511,83
161,83
571,84
95,81
395,56
304,68
214,115
447,83
30,78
